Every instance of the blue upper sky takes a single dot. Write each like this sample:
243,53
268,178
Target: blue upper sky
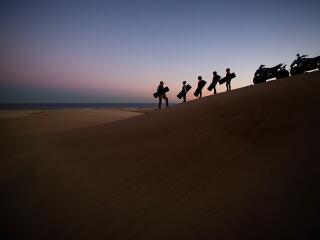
118,51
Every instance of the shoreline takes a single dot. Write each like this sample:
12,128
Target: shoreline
48,106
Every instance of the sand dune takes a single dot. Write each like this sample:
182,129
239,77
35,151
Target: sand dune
237,165
44,121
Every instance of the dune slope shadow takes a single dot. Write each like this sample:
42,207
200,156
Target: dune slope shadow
242,165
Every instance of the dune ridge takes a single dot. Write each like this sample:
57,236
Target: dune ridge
237,165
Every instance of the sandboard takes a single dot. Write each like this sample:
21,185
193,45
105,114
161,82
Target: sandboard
214,82
224,79
198,90
180,95
159,93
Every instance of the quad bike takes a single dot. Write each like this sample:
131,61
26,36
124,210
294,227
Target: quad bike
303,64
263,73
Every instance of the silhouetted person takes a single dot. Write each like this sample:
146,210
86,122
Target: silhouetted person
184,90
215,81
228,83
299,59
199,84
162,96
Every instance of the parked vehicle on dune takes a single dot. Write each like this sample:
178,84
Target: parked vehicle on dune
263,73
303,64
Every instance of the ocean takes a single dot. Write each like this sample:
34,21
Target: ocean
25,106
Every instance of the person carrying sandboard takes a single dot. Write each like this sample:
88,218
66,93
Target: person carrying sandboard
227,79
162,95
184,90
201,84
228,82
215,80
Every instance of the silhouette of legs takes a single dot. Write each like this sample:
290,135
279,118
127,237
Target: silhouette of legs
214,90
160,101
228,84
200,95
184,97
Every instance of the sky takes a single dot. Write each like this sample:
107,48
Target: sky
119,51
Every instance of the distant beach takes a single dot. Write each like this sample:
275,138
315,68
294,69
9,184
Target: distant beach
43,106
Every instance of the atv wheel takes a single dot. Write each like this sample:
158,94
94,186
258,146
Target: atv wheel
296,71
257,80
283,74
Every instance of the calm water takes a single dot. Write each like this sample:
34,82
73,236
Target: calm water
21,106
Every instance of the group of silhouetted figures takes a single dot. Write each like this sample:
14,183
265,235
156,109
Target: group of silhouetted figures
161,91
299,66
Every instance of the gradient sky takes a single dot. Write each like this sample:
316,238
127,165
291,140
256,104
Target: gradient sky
118,51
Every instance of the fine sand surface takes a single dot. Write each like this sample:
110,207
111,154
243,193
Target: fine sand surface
17,122
238,165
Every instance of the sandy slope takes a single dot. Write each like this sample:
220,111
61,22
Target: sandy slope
33,122
238,165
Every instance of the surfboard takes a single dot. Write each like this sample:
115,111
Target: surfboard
201,85
224,79
180,95
159,93
214,82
